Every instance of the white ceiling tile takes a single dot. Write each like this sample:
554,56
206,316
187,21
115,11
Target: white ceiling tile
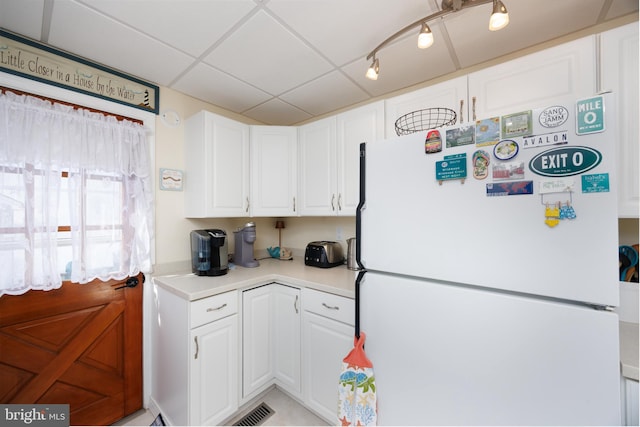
403,64
22,16
264,54
528,26
122,49
215,87
277,112
167,20
328,93
622,7
346,30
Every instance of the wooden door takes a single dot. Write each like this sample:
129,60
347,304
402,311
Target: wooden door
80,345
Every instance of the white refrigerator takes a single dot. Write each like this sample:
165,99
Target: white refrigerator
490,270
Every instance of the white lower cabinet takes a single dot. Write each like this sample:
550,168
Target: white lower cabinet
271,339
195,358
327,338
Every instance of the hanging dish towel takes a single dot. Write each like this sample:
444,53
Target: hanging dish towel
357,388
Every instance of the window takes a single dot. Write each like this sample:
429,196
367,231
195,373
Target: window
75,196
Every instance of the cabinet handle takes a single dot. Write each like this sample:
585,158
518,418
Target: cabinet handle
295,304
210,309
340,201
461,111
474,107
294,204
335,307
197,347
247,210
333,197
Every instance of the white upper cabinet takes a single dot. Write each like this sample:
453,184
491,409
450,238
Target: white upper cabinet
619,73
564,71
451,94
216,179
329,166
364,124
274,171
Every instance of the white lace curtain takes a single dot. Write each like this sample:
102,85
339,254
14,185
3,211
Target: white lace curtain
105,196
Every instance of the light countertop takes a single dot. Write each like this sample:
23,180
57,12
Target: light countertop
336,280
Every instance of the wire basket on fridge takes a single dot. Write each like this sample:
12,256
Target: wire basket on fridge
422,120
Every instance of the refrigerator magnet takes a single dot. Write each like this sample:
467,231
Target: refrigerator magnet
518,124
487,131
507,171
506,149
509,188
433,142
480,164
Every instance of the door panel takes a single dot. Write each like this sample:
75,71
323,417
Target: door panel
80,344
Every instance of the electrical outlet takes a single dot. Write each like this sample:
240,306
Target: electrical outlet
339,235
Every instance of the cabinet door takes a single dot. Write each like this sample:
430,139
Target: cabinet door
257,360
273,170
214,372
451,94
317,173
286,334
619,71
216,181
364,124
326,343
564,71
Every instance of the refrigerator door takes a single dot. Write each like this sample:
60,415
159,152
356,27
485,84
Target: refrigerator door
415,225
455,355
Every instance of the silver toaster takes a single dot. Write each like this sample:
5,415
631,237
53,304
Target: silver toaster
323,254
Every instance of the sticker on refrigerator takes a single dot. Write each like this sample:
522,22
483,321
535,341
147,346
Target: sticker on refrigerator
506,171
553,117
433,142
596,183
509,188
452,167
487,131
565,161
463,135
590,115
560,185
518,124
552,138
506,149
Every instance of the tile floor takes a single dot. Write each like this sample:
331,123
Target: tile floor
288,412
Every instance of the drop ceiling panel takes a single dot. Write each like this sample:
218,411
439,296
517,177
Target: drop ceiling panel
218,88
328,93
27,21
124,49
265,54
530,23
346,30
278,112
206,21
403,64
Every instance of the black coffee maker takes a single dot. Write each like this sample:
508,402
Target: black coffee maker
209,252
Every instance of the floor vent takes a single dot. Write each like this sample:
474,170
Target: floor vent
257,416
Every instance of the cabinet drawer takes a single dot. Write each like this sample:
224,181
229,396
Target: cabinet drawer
332,306
213,308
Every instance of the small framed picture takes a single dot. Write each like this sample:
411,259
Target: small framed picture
170,179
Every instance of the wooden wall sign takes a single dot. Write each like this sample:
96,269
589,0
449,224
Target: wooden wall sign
31,59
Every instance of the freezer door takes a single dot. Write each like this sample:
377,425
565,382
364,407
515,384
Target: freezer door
454,355
452,230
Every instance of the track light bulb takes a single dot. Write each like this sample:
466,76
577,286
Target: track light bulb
372,72
425,38
499,17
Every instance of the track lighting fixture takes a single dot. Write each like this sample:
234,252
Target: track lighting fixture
372,72
425,38
499,19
